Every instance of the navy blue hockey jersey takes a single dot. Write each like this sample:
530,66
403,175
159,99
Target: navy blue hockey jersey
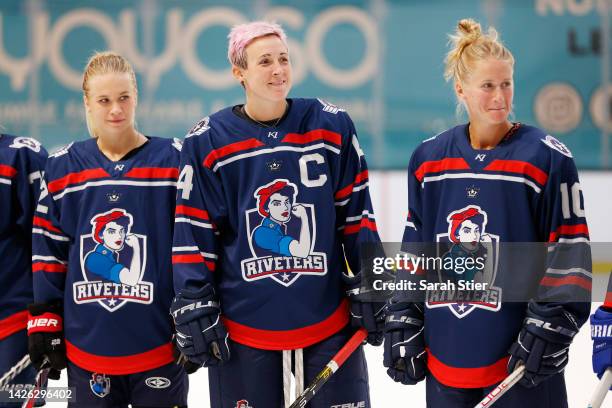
21,162
102,241
268,215
526,189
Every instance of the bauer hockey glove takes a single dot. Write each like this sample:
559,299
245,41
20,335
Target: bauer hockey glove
46,345
404,350
200,334
601,333
365,313
543,343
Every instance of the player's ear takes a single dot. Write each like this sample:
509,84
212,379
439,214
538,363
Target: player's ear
238,74
459,91
86,103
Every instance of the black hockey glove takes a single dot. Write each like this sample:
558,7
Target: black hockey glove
182,360
404,350
46,345
200,334
543,343
364,313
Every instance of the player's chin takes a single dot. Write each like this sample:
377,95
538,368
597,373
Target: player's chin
498,115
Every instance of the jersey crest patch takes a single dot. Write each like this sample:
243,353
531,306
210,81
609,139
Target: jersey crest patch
113,261
556,145
281,236
467,238
100,385
26,142
201,127
61,151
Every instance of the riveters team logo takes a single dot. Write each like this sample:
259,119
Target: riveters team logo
100,384
243,404
113,261
465,239
282,235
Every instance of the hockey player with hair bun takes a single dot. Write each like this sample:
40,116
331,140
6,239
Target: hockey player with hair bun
476,185
102,242
273,197
21,162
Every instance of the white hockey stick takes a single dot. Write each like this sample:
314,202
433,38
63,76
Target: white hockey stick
14,371
502,388
601,390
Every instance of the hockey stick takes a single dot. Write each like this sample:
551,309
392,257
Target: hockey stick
41,379
502,388
14,371
331,367
601,390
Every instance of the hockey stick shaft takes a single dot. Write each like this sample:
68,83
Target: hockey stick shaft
502,388
601,390
15,371
41,378
334,364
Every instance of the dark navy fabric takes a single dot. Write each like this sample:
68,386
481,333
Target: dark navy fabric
256,376
549,394
162,387
12,350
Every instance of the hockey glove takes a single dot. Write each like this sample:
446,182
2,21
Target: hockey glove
543,343
404,350
601,333
200,334
182,360
364,313
46,345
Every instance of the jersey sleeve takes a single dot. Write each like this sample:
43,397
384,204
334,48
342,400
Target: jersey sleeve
354,212
568,276
50,247
200,212
412,245
413,226
28,185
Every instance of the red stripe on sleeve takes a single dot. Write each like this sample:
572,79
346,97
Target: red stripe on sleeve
578,229
13,324
289,339
567,280
438,166
192,212
221,152
346,191
46,224
187,259
7,171
48,267
477,377
153,172
76,178
520,167
365,223
123,365
313,136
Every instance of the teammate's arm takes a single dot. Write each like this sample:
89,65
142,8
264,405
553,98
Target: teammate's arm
357,226
563,300
50,246
200,213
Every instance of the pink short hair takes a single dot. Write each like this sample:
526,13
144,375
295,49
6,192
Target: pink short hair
243,34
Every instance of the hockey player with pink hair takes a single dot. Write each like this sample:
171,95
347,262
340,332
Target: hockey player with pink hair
278,286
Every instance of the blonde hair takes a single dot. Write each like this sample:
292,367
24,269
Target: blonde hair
100,63
471,45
